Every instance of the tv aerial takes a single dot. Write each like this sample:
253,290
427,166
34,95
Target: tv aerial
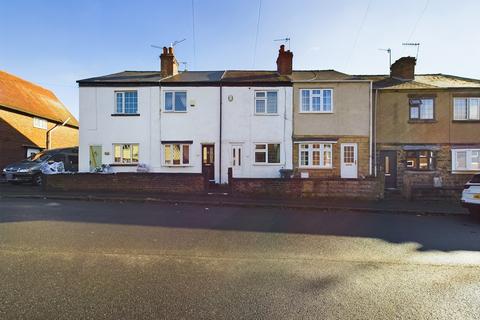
285,41
173,44
389,51
413,44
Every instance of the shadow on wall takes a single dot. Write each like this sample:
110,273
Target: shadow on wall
444,233
12,144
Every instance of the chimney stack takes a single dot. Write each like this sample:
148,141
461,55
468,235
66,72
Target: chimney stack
403,68
284,61
168,63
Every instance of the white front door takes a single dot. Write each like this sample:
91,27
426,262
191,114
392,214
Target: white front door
237,160
348,167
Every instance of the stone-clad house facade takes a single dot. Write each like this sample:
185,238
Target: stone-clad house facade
427,128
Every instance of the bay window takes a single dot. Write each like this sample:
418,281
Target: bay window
315,155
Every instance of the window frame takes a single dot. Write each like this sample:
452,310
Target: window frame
43,125
431,156
122,92
182,158
468,159
310,150
467,109
419,106
131,154
266,92
265,150
311,96
174,93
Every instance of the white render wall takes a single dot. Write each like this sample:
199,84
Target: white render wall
99,127
200,124
241,126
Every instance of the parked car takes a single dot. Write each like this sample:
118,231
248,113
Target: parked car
471,195
29,170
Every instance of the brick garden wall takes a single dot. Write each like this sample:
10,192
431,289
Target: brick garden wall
126,182
369,188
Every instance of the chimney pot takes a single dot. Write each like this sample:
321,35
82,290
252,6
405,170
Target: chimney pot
403,68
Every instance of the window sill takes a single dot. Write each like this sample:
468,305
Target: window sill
465,171
420,171
267,164
177,165
423,121
465,121
266,114
123,164
315,168
167,111
316,112
125,114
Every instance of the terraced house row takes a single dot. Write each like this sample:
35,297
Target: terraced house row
415,130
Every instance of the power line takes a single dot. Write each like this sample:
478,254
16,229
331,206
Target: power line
256,35
358,34
194,44
418,20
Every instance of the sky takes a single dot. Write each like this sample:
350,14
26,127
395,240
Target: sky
54,43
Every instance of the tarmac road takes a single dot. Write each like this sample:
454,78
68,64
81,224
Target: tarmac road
97,260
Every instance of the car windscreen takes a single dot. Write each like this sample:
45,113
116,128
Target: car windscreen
40,157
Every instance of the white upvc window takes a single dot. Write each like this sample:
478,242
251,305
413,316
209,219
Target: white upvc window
315,155
126,102
466,108
40,123
267,153
176,154
175,101
125,153
316,100
422,109
266,102
466,160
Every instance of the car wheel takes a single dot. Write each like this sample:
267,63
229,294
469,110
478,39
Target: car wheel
37,179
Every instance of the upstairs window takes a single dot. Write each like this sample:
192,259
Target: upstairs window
466,159
40,123
126,102
266,102
175,101
466,109
316,100
176,154
421,160
125,153
267,153
421,109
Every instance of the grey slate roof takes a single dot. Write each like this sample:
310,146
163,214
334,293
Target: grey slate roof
422,81
320,75
125,76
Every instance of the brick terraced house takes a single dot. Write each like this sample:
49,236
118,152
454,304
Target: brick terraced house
31,119
427,128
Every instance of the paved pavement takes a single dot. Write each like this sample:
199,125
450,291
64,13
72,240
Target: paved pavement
395,204
91,260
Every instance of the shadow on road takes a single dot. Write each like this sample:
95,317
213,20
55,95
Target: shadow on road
444,233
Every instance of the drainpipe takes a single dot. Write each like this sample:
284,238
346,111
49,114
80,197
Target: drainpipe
48,140
220,138
375,129
371,128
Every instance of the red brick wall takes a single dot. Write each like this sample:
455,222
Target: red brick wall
369,188
126,182
17,132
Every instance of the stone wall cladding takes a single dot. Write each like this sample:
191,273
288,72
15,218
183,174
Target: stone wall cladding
369,188
126,182
363,157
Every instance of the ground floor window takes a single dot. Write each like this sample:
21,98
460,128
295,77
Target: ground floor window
466,159
421,160
267,153
176,154
125,153
315,155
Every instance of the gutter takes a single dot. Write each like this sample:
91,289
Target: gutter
329,81
370,158
220,130
48,140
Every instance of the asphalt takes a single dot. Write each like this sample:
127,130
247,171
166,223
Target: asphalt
110,260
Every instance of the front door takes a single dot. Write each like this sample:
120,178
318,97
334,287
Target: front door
237,160
95,157
348,167
208,161
388,159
